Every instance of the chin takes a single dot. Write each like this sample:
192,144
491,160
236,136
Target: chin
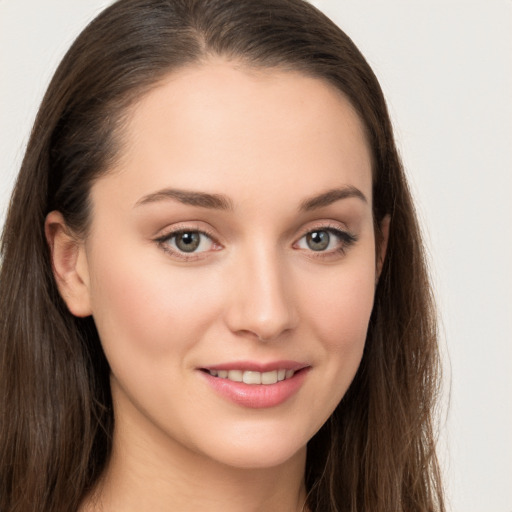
256,448
258,458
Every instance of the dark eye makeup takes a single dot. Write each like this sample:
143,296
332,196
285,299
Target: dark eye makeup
326,240
187,243
191,243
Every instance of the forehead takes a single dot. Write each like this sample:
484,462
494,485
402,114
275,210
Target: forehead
222,126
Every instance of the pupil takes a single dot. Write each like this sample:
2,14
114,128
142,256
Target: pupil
318,240
188,242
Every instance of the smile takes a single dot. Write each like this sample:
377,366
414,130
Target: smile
255,385
253,377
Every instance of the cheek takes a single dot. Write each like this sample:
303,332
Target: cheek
340,304
147,310
339,309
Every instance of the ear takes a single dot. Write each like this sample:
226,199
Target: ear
69,264
382,244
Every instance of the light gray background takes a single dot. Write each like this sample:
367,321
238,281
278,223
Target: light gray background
446,69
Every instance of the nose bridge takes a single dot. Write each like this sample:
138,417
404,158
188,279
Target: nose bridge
262,302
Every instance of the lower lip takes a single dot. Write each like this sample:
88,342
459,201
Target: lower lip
257,396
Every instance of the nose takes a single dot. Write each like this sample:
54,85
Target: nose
261,304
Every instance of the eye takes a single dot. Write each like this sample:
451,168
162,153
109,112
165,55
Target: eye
318,240
187,242
326,240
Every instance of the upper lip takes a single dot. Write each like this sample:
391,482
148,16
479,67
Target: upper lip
255,366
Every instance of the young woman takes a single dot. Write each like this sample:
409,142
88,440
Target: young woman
213,294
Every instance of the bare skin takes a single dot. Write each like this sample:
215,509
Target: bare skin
275,262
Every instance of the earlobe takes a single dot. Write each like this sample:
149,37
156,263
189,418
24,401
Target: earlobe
382,244
69,264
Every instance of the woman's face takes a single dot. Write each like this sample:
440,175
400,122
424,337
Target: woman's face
233,240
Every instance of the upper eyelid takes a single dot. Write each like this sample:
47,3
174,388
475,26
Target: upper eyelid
325,226
173,234
176,230
329,225
346,236
341,233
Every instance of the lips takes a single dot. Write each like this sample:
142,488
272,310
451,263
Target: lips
256,385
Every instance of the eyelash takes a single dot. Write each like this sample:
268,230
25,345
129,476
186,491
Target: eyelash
163,242
345,238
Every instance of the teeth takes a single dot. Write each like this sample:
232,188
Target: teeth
250,377
269,377
236,375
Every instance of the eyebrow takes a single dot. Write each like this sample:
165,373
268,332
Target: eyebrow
222,202
331,196
192,198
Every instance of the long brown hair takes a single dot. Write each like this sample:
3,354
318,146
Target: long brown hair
377,451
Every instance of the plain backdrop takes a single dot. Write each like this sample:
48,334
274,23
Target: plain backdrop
446,70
